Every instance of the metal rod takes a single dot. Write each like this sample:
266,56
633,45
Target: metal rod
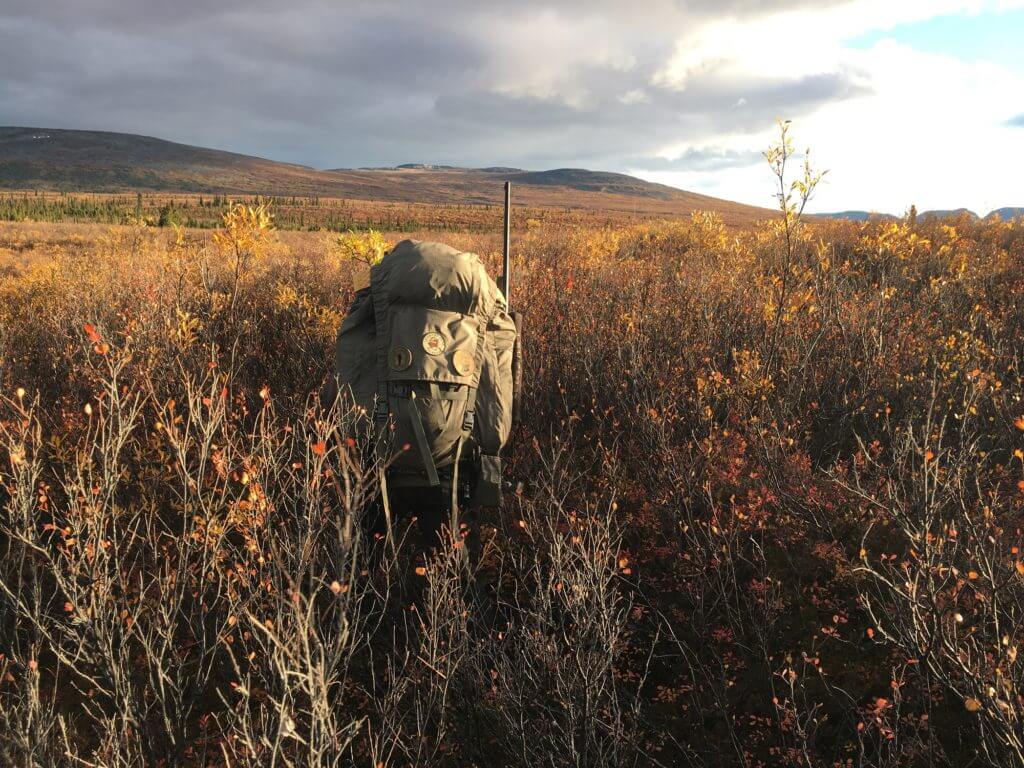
506,282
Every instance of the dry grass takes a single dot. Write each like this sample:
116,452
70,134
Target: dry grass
768,514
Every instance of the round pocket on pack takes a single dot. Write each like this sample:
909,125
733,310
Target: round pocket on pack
462,362
399,358
434,343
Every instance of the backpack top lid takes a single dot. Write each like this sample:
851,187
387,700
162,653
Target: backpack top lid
435,275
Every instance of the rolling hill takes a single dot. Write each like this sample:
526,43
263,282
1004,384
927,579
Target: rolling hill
1007,214
95,161
948,214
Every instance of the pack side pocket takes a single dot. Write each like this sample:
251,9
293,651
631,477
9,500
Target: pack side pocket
488,485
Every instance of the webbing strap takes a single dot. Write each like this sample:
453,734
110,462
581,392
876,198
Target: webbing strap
453,512
382,476
421,440
435,402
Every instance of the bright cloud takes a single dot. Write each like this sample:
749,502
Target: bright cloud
925,129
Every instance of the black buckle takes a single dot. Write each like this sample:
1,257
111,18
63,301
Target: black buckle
468,419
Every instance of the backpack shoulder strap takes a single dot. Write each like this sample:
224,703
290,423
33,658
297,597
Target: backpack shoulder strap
488,481
484,322
379,294
381,407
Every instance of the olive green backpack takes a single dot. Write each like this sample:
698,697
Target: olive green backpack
427,352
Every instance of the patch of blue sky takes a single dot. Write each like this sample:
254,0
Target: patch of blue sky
991,36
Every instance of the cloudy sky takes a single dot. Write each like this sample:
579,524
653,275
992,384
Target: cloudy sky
902,100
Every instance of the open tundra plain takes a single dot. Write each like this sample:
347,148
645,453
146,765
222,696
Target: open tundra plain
766,510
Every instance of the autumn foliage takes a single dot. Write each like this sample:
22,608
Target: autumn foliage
767,507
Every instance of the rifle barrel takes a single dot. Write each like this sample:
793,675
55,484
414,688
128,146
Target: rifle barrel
507,279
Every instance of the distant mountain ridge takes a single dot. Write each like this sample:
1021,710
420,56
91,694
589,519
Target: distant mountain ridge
1006,214
98,161
855,215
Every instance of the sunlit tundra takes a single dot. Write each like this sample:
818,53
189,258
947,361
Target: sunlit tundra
657,448
768,506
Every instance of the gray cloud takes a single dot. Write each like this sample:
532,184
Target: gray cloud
703,159
374,82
